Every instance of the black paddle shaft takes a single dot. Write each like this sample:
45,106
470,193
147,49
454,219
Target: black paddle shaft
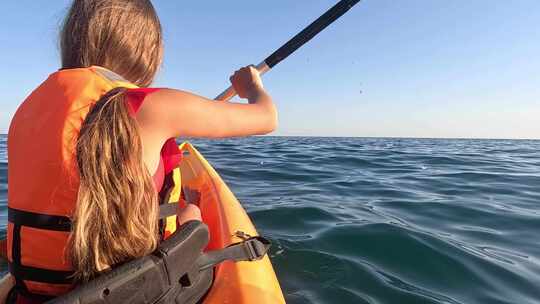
297,41
309,32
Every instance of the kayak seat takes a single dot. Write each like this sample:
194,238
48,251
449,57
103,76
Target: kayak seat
178,272
170,275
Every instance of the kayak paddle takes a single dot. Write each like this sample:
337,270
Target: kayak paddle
297,41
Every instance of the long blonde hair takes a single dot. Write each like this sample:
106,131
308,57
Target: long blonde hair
123,36
116,213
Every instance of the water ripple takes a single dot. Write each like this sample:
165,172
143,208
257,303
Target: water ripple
369,220
393,220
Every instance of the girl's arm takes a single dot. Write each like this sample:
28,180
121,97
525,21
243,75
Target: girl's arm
172,113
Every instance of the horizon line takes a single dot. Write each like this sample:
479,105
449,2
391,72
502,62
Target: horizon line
370,137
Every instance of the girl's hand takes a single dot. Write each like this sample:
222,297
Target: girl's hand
189,213
247,82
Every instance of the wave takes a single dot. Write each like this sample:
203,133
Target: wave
367,220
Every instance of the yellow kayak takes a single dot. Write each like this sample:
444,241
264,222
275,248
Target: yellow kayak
234,282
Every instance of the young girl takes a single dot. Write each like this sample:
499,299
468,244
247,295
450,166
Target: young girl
90,147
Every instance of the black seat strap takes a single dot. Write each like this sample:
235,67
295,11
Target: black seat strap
164,198
167,209
251,249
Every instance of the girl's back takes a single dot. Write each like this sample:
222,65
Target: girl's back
81,194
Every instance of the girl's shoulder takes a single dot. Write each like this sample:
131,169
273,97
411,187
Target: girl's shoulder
136,97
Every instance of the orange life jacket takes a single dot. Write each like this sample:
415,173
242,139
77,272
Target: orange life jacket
43,178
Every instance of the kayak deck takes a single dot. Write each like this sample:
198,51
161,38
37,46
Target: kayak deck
240,282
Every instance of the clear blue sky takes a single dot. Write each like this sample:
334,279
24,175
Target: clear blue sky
410,68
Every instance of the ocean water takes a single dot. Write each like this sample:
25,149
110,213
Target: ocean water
365,220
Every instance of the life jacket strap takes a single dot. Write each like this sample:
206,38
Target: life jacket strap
251,249
38,220
20,218
28,273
